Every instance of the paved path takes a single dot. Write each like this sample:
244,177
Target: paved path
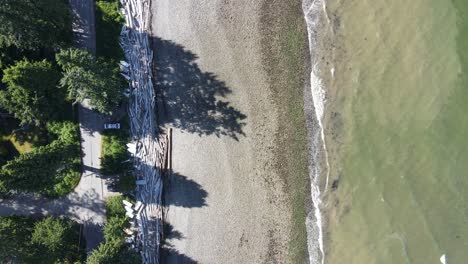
86,203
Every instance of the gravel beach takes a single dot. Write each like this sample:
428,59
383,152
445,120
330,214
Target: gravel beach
229,199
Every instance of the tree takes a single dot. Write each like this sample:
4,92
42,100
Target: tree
87,78
51,240
52,233
66,132
39,170
32,94
32,24
14,234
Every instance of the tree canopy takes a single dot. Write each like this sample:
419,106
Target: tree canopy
38,170
51,240
33,24
46,167
32,94
54,234
85,77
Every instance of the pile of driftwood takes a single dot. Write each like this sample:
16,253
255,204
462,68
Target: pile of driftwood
150,151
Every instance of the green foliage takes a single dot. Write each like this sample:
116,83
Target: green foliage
50,233
104,254
32,24
66,132
15,233
113,229
114,152
52,170
32,94
87,78
109,22
69,179
114,206
51,240
38,170
114,251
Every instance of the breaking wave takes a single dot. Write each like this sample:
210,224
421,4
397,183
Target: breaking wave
313,9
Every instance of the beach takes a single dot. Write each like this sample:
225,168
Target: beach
231,86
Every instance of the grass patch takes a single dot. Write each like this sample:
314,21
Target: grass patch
14,143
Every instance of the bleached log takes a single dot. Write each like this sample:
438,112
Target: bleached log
127,203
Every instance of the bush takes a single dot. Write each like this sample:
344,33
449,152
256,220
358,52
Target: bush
113,229
114,207
67,132
114,251
114,152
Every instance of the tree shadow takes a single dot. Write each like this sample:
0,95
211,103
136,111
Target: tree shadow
90,120
8,151
168,254
191,99
171,233
183,192
171,255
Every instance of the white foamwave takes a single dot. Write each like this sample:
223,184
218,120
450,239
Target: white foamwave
312,10
443,259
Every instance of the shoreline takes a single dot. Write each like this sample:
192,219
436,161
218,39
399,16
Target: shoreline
317,100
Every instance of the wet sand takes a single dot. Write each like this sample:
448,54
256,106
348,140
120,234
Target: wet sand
230,198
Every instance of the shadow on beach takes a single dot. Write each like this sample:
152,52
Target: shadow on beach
168,253
189,98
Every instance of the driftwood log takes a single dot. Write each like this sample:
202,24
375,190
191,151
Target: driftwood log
150,154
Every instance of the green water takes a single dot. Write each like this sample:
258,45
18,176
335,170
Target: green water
401,91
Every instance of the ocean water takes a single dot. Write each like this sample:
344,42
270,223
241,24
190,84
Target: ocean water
391,77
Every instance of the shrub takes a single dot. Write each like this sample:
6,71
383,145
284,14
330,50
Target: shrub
114,206
113,250
114,152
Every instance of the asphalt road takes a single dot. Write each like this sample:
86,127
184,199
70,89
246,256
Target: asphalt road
225,201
